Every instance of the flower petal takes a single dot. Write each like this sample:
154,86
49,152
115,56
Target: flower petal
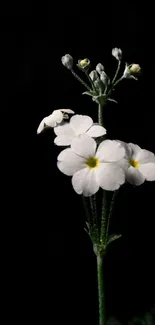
69,163
134,150
64,129
145,156
124,163
55,117
148,171
41,126
63,140
80,123
128,149
134,176
96,131
84,146
110,176
110,151
68,155
84,182
67,110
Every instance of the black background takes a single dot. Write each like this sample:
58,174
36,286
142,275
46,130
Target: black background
57,266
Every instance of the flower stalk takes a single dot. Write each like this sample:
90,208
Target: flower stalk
101,297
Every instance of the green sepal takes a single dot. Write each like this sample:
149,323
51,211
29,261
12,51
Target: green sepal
113,237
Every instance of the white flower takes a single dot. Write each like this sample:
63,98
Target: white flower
139,164
92,168
117,53
67,61
79,124
53,119
99,68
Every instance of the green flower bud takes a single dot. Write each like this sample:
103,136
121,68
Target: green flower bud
99,68
131,70
104,78
94,75
99,85
67,61
135,68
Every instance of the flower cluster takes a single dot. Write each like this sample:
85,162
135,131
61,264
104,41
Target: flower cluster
92,164
100,84
107,166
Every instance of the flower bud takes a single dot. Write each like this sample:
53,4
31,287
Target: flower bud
99,85
117,53
94,75
104,78
135,68
131,70
83,64
67,61
99,68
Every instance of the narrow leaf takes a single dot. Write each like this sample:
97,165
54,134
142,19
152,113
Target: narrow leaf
111,238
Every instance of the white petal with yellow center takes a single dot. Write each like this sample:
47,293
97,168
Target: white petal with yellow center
141,164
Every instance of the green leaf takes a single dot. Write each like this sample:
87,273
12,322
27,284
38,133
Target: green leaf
89,93
111,238
112,100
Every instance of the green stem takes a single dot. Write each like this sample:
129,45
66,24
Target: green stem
116,83
100,114
101,298
115,76
103,218
110,213
79,79
96,234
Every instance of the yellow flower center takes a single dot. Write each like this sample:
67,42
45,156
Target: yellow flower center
83,62
134,163
92,162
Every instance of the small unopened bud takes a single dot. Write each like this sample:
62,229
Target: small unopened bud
67,61
104,78
94,75
83,64
99,68
99,85
117,53
135,68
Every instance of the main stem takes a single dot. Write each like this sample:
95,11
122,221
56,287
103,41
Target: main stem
101,290
100,114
